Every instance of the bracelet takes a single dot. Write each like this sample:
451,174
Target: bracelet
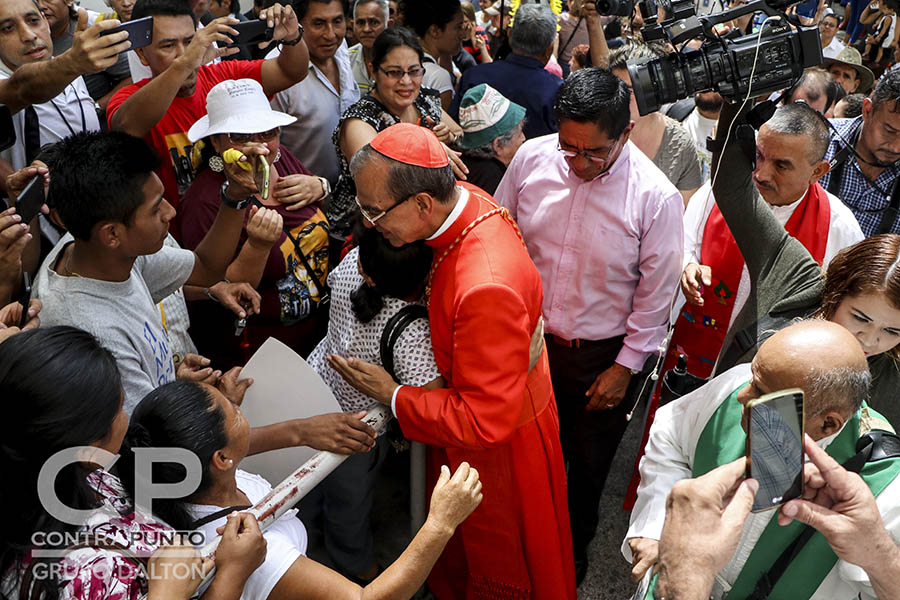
326,187
239,205
209,294
296,40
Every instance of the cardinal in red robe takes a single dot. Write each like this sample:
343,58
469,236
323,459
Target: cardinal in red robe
497,412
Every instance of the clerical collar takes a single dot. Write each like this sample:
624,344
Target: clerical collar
454,214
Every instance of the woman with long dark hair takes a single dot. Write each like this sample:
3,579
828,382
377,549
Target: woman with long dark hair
198,418
61,390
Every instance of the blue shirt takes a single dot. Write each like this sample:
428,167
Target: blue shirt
523,80
866,199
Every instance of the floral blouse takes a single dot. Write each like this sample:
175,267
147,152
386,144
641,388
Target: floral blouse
91,573
376,114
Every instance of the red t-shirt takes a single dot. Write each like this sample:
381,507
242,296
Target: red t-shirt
169,136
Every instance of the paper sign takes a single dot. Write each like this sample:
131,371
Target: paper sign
284,387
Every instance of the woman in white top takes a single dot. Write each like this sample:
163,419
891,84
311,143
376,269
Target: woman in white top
373,283
198,418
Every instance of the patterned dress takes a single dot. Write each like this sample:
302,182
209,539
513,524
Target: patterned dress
92,573
376,114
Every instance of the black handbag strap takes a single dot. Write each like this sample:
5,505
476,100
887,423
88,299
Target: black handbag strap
392,330
871,447
747,338
218,515
324,293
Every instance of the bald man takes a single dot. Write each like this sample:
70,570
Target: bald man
704,430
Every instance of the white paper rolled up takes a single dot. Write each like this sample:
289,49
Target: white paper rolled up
289,492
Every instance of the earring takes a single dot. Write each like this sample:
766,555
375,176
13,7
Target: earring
216,163
277,156
230,462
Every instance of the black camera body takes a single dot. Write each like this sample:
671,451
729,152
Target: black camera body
724,64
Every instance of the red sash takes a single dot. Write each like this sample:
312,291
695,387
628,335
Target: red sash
700,330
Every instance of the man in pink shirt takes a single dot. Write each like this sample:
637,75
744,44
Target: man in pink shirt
603,226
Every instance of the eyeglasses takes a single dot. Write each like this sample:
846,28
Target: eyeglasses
827,24
595,156
244,138
397,74
367,213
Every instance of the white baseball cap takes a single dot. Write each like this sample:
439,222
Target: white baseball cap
237,106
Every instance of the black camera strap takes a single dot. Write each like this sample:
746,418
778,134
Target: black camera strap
839,162
873,446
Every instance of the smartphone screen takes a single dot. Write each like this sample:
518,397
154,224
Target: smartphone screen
261,176
251,32
29,202
140,32
775,447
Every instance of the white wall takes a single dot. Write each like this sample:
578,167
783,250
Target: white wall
100,5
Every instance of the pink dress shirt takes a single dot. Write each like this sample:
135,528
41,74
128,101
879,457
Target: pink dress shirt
609,251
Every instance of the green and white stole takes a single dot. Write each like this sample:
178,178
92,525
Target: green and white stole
724,440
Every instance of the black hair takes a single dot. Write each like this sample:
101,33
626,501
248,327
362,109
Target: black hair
99,176
419,15
301,7
887,90
60,389
162,8
394,37
180,414
595,95
854,104
834,91
397,272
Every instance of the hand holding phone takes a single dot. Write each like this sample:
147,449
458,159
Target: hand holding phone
250,33
775,426
25,298
140,32
261,176
31,199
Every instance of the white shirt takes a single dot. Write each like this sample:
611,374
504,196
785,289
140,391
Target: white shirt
888,40
700,128
833,48
669,457
72,111
318,108
286,538
436,77
843,231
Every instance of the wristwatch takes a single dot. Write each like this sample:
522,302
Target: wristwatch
239,205
296,40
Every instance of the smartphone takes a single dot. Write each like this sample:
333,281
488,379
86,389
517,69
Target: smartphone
775,426
25,298
251,32
140,31
29,202
261,176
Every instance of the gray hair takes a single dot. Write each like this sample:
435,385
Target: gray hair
406,180
629,51
841,390
503,140
533,30
383,4
801,119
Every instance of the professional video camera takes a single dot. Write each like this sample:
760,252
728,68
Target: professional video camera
724,62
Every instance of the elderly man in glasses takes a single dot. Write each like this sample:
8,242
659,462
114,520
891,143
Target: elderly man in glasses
497,411
603,226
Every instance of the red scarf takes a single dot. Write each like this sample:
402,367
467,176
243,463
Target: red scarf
700,331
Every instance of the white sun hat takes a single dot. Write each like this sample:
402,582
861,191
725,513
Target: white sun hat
237,106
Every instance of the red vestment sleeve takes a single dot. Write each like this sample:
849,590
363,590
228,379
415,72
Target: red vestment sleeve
491,332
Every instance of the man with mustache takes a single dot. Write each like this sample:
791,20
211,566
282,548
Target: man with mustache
62,104
319,100
715,282
867,179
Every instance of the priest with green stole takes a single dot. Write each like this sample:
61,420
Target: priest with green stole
704,430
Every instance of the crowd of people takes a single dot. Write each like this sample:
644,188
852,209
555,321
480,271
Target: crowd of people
456,210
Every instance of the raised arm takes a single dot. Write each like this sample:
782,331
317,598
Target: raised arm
596,36
761,239
40,82
292,64
141,111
